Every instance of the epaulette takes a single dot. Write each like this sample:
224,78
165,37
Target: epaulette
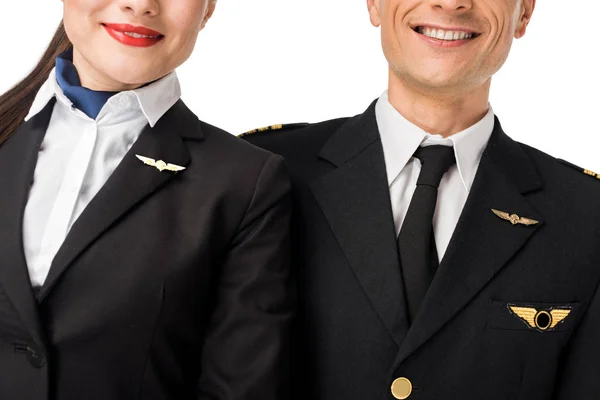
587,172
280,127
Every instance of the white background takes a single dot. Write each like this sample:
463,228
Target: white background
261,62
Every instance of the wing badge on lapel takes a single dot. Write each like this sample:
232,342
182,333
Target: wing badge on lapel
160,164
514,218
541,320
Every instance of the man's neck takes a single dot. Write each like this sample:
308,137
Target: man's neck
439,114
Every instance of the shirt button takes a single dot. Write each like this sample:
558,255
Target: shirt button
45,248
402,388
124,100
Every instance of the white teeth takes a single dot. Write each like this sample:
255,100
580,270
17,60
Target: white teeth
441,34
139,36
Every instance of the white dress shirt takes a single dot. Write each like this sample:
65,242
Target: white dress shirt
76,158
401,138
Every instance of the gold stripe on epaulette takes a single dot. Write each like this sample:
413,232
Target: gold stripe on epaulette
263,129
590,173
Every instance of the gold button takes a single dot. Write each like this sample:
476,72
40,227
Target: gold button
401,388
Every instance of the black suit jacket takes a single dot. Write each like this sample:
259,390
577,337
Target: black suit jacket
168,286
353,338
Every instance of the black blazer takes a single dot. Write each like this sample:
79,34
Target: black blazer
353,339
168,286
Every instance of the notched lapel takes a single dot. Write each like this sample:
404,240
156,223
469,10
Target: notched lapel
356,202
131,183
18,158
482,243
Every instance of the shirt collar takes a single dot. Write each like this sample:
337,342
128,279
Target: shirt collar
401,138
154,100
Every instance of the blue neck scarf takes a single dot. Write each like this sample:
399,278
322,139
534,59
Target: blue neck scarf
88,101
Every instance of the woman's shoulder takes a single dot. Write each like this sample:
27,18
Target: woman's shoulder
232,150
234,164
204,139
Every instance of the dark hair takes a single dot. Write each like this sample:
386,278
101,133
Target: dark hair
15,104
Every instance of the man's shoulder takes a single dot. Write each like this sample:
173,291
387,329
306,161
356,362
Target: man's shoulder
565,169
580,171
294,140
566,179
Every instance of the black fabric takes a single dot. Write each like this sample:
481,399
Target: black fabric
416,235
351,336
168,286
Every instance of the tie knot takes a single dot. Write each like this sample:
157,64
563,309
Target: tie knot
435,161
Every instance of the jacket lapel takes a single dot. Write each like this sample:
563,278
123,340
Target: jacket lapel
131,183
356,202
18,158
482,243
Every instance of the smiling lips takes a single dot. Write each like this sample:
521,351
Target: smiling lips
445,36
137,36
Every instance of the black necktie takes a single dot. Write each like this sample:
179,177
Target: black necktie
418,254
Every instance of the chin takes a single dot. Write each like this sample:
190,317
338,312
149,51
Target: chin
132,76
447,77
439,81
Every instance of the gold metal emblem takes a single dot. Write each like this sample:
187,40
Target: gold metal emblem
541,320
401,388
160,164
514,218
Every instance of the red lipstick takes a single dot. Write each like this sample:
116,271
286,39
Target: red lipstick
137,36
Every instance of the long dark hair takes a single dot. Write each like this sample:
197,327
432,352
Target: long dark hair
15,104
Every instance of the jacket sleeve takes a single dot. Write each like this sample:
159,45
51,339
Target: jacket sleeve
246,348
579,375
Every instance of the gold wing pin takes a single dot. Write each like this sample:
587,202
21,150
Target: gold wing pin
160,164
514,218
540,320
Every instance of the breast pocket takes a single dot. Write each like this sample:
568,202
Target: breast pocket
533,316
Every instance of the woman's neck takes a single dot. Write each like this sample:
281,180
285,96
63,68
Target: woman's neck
93,79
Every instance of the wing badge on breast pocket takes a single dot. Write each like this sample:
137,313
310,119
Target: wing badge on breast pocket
541,320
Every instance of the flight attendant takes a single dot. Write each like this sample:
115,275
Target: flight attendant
143,253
